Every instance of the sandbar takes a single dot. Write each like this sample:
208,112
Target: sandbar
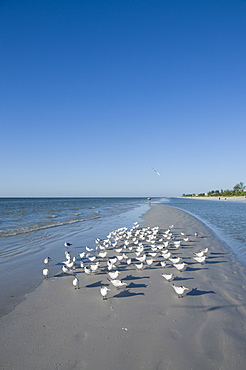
144,326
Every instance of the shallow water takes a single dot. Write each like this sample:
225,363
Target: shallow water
226,218
28,235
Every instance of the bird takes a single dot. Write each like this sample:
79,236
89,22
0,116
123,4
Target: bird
199,254
139,266
142,258
196,234
47,260
76,282
46,273
163,263
104,291
180,266
113,274
94,267
168,277
156,171
175,259
64,269
88,249
186,239
149,262
81,255
201,260
117,283
179,290
67,244
87,270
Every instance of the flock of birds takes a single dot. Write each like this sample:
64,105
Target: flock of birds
138,247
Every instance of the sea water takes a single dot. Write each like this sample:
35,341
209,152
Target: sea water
34,228
227,219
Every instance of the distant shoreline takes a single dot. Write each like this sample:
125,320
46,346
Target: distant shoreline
221,198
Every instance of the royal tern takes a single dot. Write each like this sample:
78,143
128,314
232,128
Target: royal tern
104,291
47,260
180,266
168,277
76,282
46,273
117,283
179,290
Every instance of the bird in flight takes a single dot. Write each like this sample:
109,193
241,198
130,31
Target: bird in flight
156,171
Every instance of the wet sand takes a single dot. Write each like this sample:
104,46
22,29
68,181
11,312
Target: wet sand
145,325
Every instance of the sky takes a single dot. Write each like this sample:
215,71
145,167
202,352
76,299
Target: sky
94,93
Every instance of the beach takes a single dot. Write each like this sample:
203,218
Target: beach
221,198
144,325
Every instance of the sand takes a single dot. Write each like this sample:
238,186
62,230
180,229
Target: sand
145,326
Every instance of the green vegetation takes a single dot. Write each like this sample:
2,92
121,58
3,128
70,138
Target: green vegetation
238,190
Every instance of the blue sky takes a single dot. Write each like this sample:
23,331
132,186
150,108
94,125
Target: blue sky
94,93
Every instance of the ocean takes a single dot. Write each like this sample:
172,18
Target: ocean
34,228
227,219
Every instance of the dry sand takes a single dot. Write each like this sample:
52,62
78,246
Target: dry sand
145,326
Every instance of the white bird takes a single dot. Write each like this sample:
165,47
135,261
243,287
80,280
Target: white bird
179,290
199,254
186,239
47,260
76,282
139,266
163,263
88,249
46,273
87,270
64,269
117,283
94,267
156,171
81,255
180,266
67,244
129,261
92,258
104,291
175,259
69,264
204,250
102,254
201,260
168,277
166,255
149,262
196,234
113,274
142,258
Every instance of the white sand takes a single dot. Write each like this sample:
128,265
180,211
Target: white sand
143,327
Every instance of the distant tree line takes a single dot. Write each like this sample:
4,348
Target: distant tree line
238,190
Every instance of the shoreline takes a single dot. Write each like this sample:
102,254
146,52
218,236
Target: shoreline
220,198
144,326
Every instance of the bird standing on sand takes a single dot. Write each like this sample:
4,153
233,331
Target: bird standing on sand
117,283
104,291
201,260
76,282
46,273
168,277
47,260
180,266
65,269
179,290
